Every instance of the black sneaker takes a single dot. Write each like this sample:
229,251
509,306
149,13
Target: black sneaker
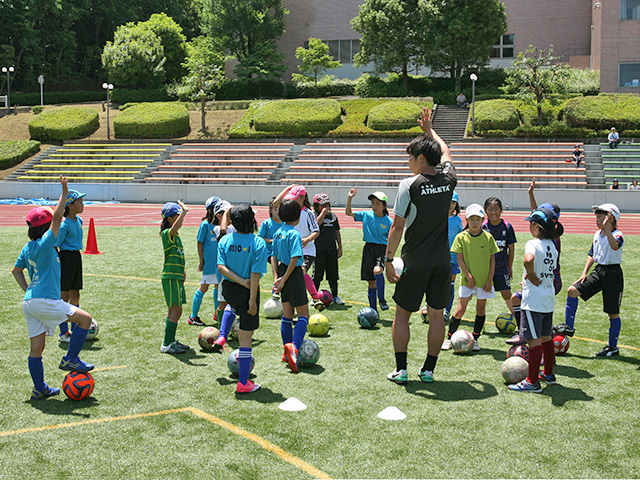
608,352
196,321
564,329
384,305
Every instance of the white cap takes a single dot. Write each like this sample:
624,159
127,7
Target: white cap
475,209
609,208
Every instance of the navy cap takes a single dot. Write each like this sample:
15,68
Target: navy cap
72,196
543,216
170,208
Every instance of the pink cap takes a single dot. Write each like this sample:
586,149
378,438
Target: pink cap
295,192
39,216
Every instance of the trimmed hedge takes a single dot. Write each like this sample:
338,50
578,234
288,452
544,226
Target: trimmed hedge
393,116
54,98
298,117
604,111
496,115
123,95
152,120
64,124
12,152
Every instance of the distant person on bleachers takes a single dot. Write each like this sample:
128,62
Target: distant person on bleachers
578,155
461,100
635,187
614,138
615,185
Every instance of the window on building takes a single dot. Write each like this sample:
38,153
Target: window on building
504,47
341,50
629,75
629,9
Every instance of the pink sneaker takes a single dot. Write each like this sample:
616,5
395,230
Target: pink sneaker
291,353
247,387
219,344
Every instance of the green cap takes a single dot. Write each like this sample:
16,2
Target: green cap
380,196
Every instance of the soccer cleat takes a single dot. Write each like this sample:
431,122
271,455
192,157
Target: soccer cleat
75,365
398,376
291,353
516,340
338,301
548,379
247,387
196,321
46,393
317,303
476,347
446,345
447,315
426,376
284,357
65,337
526,386
608,352
384,306
424,313
220,344
564,329
173,347
182,345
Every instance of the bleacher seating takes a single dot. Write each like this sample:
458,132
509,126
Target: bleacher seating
241,163
622,163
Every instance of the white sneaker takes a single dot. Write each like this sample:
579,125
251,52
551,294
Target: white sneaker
446,345
476,347
65,337
338,301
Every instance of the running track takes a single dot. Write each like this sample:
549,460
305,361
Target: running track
145,215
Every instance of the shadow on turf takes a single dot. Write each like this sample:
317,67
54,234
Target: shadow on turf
264,395
64,406
452,391
619,358
90,346
560,394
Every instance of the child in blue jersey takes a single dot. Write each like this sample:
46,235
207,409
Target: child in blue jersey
69,244
208,255
375,226
43,308
242,261
505,238
287,258
267,228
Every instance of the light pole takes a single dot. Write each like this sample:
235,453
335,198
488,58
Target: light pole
7,71
108,87
473,78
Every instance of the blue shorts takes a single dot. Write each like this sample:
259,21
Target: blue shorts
455,269
501,282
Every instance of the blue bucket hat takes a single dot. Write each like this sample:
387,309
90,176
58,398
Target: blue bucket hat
72,196
454,197
170,208
211,202
543,216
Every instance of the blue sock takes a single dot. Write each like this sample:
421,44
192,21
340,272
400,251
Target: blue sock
196,302
380,286
300,331
73,325
78,336
614,331
286,330
228,317
216,302
570,311
244,364
37,373
372,298
64,328
453,293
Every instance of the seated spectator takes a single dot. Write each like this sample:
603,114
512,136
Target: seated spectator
635,187
578,155
461,100
614,138
615,185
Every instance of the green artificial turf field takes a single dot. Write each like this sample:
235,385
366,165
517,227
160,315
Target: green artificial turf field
161,416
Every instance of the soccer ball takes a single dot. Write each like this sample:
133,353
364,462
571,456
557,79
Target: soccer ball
462,341
560,344
272,308
515,369
325,297
234,364
505,323
368,317
235,326
519,351
308,354
77,385
93,330
318,325
207,336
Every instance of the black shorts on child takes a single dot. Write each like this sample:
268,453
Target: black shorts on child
501,282
294,290
372,256
70,270
237,296
414,285
609,280
536,324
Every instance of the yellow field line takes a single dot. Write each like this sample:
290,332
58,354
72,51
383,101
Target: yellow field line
284,455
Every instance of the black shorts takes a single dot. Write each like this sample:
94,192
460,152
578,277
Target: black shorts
501,282
70,270
307,262
609,280
372,256
536,324
294,290
237,296
434,283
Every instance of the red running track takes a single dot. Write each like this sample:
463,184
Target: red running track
145,215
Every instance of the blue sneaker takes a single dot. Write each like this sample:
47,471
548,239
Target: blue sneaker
548,379
46,393
526,386
75,365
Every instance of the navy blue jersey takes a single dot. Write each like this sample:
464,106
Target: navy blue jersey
504,236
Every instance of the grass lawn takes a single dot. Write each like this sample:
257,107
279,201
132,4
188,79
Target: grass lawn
153,415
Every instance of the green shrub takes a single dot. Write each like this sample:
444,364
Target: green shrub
54,98
299,117
242,129
496,115
604,111
37,109
152,120
325,88
64,124
631,133
551,112
12,152
393,116
123,95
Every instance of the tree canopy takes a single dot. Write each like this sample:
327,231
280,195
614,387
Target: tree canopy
315,60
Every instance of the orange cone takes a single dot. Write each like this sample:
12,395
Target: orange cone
92,243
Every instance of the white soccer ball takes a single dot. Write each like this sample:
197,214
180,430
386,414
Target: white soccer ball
462,341
92,334
398,266
515,369
272,308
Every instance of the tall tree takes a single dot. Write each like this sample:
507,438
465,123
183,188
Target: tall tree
173,43
315,60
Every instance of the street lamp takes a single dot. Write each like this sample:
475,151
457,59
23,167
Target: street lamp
108,87
473,78
7,71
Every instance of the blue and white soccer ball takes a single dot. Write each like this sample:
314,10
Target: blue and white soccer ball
234,364
309,353
368,317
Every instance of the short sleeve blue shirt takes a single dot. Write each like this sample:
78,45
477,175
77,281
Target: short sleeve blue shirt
70,235
41,260
287,243
243,253
267,229
375,229
207,237
455,227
